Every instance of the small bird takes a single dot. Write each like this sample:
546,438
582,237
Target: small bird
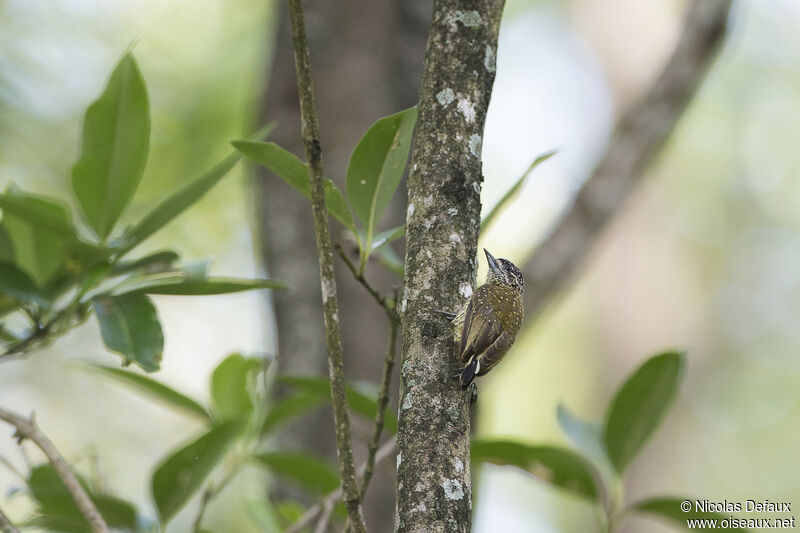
486,326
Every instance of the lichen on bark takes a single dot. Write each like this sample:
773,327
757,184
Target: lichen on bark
443,218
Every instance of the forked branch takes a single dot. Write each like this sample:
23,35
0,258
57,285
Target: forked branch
26,429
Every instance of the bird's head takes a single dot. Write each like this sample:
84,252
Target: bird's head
504,272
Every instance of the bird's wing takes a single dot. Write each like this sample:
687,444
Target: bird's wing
495,353
481,328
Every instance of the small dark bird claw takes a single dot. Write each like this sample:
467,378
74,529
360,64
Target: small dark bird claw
456,376
450,316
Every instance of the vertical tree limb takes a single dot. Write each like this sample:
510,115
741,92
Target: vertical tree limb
434,487
26,429
383,403
636,142
330,302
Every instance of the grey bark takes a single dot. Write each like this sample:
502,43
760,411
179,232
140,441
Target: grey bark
434,487
636,142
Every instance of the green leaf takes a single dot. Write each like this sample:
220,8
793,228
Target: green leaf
130,326
377,165
309,471
143,284
513,191
82,257
232,383
359,402
45,214
115,142
385,237
639,406
38,228
670,508
263,515
584,435
59,512
557,466
376,168
289,408
179,476
153,263
6,246
390,260
157,391
290,512
177,203
19,285
5,336
293,171
211,286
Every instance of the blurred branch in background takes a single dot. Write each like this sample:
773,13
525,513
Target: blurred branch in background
26,429
5,524
636,142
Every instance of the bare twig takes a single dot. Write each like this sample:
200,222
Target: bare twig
26,429
383,402
359,276
383,453
209,493
388,366
11,468
5,524
324,517
638,139
327,277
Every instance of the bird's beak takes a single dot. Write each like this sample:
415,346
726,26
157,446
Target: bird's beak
493,265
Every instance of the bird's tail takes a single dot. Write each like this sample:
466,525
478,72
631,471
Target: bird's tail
469,373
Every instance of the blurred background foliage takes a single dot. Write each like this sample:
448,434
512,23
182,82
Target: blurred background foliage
705,256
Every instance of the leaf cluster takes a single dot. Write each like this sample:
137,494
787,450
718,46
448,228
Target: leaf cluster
58,268
374,172
595,467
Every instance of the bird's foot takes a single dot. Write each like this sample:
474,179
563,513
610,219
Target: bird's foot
450,316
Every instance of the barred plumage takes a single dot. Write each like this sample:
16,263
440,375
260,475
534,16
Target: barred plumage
487,325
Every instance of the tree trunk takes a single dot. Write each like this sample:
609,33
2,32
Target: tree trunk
443,218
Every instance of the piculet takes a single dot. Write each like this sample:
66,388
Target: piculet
486,326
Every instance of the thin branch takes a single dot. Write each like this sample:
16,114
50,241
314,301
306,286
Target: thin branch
11,468
26,429
383,403
388,366
384,452
637,141
324,518
330,302
5,524
211,491
359,276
